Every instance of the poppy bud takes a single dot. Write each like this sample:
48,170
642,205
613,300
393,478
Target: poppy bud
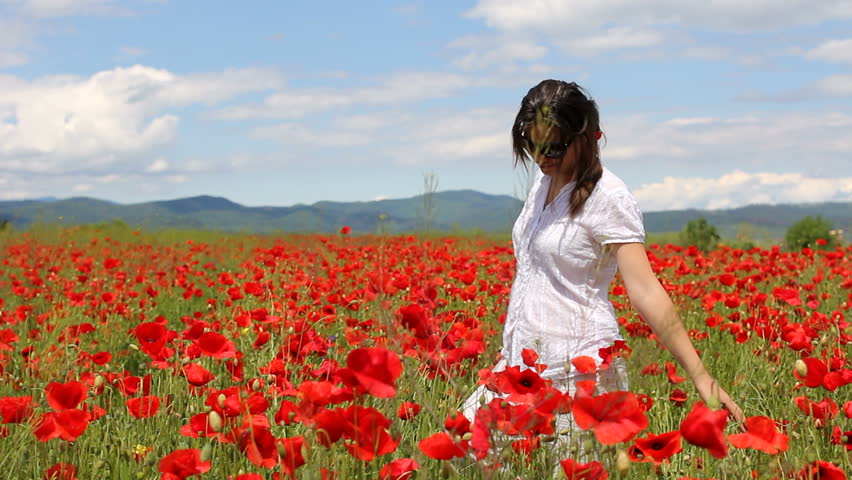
99,380
256,384
306,452
714,402
133,346
206,452
140,475
467,436
565,431
221,399
482,400
215,421
622,462
801,368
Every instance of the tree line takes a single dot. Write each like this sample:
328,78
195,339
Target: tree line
809,232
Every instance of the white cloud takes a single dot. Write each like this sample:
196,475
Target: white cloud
833,50
706,53
752,139
739,188
65,124
159,165
612,38
129,51
401,87
563,17
297,134
14,35
836,85
487,50
11,59
61,8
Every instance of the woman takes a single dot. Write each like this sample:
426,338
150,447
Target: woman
578,226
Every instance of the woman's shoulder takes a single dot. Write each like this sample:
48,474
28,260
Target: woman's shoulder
610,186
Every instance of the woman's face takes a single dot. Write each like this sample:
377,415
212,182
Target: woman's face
550,153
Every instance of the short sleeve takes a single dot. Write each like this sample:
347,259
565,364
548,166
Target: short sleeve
619,220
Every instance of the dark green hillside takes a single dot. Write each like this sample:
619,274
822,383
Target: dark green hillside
452,210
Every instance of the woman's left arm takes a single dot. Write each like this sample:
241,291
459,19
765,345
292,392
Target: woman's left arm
655,306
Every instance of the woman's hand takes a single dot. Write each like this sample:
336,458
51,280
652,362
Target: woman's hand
712,394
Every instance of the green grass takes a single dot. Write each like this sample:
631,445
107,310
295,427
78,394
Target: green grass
105,450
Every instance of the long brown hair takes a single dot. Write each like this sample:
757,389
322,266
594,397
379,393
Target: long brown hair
570,109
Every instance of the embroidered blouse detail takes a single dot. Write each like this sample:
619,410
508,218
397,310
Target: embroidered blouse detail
559,303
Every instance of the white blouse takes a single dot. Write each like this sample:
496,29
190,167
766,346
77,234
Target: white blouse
559,303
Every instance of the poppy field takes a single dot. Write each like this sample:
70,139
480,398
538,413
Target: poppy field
143,355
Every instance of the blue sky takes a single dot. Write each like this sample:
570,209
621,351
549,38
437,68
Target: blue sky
704,104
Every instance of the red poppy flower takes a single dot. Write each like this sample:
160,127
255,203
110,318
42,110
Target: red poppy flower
196,375
671,371
152,337
789,296
847,409
143,407
529,356
816,370
61,471
585,364
583,471
15,409
345,230
408,410
416,318
101,358
258,445
645,402
615,416
838,378
66,424
291,455
619,348
199,426
400,469
181,464
526,446
441,446
367,428
65,396
705,428
372,370
520,385
761,434
656,448
822,411
215,345
839,437
329,426
678,397
821,470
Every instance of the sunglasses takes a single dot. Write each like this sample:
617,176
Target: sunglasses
548,150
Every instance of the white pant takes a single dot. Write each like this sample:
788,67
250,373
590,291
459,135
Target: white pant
571,441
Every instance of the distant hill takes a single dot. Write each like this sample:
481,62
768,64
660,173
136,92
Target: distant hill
459,209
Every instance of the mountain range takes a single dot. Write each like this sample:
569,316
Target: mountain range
459,210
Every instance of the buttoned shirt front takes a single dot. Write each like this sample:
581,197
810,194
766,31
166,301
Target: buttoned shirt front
559,303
